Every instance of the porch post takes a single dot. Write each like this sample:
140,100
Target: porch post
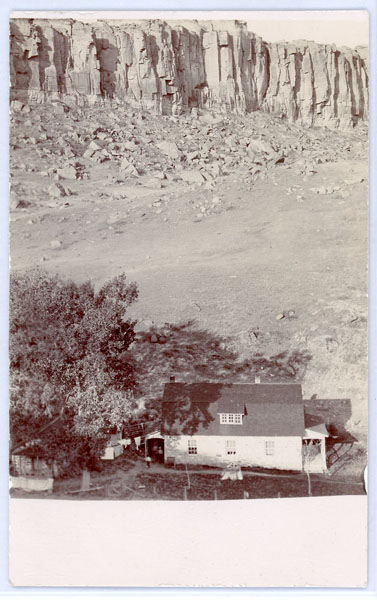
323,453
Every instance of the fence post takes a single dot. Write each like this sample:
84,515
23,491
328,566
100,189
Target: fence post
309,484
245,495
188,476
216,495
184,493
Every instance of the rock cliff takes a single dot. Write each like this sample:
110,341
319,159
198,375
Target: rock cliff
169,68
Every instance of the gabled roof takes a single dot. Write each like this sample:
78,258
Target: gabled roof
268,409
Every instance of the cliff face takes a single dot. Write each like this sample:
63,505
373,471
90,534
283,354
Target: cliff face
170,68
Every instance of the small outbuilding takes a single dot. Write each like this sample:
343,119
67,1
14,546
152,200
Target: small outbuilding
30,472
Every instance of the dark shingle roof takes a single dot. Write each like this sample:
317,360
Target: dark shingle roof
269,409
334,412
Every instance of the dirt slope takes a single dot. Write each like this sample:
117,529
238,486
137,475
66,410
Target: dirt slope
277,230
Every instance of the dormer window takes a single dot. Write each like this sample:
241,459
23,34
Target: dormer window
231,418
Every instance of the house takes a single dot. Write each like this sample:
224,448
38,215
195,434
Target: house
29,461
29,471
261,425
29,468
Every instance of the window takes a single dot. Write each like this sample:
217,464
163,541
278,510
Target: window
269,448
231,419
230,446
192,447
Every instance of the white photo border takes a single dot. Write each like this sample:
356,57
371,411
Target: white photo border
6,589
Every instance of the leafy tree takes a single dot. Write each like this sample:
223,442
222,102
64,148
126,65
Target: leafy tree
71,372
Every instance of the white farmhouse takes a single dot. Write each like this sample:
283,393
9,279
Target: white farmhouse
250,424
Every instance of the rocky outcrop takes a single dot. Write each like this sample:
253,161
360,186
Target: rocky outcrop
170,68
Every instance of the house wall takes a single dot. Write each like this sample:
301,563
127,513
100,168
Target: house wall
32,484
250,451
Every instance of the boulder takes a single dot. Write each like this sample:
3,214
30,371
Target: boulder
67,172
56,190
94,146
127,169
193,155
259,146
17,105
169,149
58,109
192,176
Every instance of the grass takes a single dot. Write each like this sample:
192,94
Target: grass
172,485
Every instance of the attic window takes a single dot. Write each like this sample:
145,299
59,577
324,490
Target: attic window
230,418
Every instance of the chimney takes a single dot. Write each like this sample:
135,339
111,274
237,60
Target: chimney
172,378
257,379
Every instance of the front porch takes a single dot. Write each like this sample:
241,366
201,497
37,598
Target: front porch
314,445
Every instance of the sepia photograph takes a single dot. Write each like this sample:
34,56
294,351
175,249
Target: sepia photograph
188,256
